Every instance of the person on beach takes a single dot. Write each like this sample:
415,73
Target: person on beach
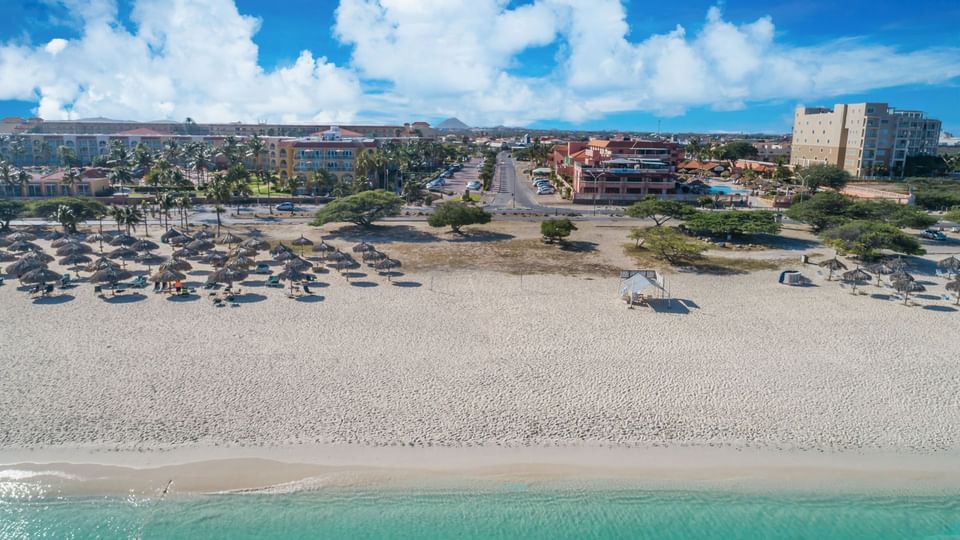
177,285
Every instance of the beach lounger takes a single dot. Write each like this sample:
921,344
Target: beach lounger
65,281
98,290
1,281
138,283
262,268
48,290
307,290
273,281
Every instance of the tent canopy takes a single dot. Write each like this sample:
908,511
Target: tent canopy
636,284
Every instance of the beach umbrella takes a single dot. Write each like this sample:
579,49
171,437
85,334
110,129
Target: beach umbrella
144,245
39,275
5,241
55,235
73,249
302,242
171,232
179,240
176,264
75,261
213,257
363,246
240,261
123,253
255,243
110,275
337,256
298,263
898,264
951,264
230,238
241,251
96,238
907,286
200,245
856,277
25,265
285,256
101,264
955,287
227,275
278,249
62,241
122,240
22,236
184,253
833,265
900,275
292,275
7,257
149,259
322,247
374,256
167,275
203,235
23,245
387,264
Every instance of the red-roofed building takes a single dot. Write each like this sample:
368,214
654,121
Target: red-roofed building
623,171
51,184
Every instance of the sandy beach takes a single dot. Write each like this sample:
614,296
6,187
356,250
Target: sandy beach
456,359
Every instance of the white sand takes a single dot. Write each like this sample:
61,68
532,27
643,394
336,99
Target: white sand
474,359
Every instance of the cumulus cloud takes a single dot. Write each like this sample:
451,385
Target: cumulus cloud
434,58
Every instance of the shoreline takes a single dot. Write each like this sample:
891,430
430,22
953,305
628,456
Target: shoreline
208,470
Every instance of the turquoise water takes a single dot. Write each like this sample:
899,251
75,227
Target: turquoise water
726,190
507,513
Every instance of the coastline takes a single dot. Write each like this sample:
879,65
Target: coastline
205,470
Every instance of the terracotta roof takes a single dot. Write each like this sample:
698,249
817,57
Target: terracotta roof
344,132
142,132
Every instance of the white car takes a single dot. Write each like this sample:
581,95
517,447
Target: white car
546,191
473,185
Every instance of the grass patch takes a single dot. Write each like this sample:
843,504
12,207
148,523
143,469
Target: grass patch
706,264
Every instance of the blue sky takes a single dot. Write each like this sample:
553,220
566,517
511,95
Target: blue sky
590,64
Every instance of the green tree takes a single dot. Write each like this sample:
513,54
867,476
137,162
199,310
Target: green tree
705,200
822,210
733,222
66,156
659,211
669,244
183,205
67,218
324,181
361,209
816,176
953,215
867,238
457,215
71,177
220,191
899,215
738,150
555,230
9,211
120,176
925,165
411,190
83,208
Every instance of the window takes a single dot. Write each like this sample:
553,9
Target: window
33,190
634,191
612,190
64,189
589,190
83,189
51,190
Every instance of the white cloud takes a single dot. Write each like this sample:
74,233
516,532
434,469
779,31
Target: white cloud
437,58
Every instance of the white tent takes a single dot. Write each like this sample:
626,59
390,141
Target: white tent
637,284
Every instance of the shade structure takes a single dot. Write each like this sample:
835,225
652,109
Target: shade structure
7,257
75,260
64,240
144,245
373,256
177,264
229,238
23,245
39,275
122,240
73,248
900,275
171,232
203,235
241,251
216,258
322,247
5,241
278,249
122,253
387,264
298,263
857,275
908,285
255,243
167,275
292,274
95,238
100,264
184,253
200,245
898,264
227,275
302,241
950,264
55,235
22,236
179,240
955,287
833,264
25,265
110,275
149,259
363,246
241,261
285,256
336,256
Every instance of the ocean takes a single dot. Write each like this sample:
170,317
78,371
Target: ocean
508,512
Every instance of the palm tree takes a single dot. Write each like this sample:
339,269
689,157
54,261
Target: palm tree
6,172
166,201
230,150
145,207
221,192
255,148
119,155
324,180
71,177
142,158
183,204
66,217
118,215
170,152
341,189
120,175
21,179
199,156
66,156
131,217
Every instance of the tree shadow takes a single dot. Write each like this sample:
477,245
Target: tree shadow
249,298
310,299
125,298
775,241
880,296
364,284
407,284
710,269
384,234
186,298
480,236
53,300
199,273
317,285
940,308
578,246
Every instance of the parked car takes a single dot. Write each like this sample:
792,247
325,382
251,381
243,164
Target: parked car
931,234
286,207
473,185
542,184
546,191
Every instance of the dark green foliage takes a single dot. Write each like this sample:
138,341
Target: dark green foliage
669,244
456,215
925,166
555,230
830,209
659,211
82,208
737,150
867,238
733,222
816,176
361,209
10,210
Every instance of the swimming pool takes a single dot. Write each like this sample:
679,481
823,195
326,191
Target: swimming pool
727,190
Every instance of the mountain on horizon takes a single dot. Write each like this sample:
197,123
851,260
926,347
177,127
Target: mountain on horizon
451,123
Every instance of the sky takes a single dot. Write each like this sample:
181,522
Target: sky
731,66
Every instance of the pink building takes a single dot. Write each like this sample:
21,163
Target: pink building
622,172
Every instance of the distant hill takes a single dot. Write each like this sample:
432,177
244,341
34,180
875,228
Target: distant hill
451,123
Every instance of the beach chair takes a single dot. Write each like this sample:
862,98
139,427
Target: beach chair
157,287
138,283
1,281
273,281
307,290
262,268
98,290
65,281
48,290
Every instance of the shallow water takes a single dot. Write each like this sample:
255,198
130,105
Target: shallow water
508,512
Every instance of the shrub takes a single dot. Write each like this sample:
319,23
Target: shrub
555,230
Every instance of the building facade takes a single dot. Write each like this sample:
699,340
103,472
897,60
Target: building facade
52,185
329,151
625,171
865,139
